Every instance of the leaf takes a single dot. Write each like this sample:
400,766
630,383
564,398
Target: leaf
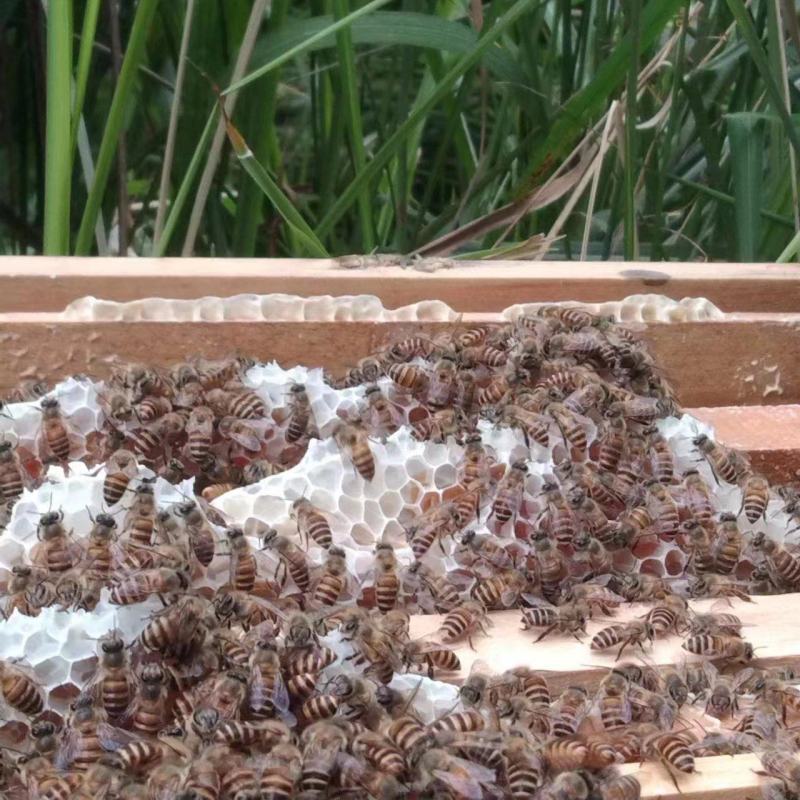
746,137
123,94
271,189
307,43
392,28
58,158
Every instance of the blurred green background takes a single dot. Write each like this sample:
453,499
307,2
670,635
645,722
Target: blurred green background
652,130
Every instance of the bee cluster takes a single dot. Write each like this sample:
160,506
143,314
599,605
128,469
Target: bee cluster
273,533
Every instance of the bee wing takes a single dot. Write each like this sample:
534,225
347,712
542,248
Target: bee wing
112,738
467,781
69,748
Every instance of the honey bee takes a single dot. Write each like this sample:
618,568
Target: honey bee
533,425
267,694
20,597
409,378
243,568
712,585
724,463
177,631
380,415
551,566
568,618
663,508
200,431
568,711
137,586
755,496
612,442
484,548
202,537
112,684
592,552
508,499
642,587
430,656
140,519
696,496
148,711
719,646
334,579
87,736
784,564
101,555
311,523
442,381
20,688
631,633
434,593
352,440
570,425
669,615
722,694
713,623
698,544
292,560
321,744
387,580
781,764
55,552
663,465
444,774
558,517
436,427
54,437
435,525
730,544
12,477
463,621
373,648
672,751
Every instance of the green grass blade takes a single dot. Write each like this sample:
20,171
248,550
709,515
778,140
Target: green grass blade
88,31
116,118
394,143
748,31
58,155
631,173
172,129
355,128
730,200
181,198
261,131
397,29
305,45
272,191
746,137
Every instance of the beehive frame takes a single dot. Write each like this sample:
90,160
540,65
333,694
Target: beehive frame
702,358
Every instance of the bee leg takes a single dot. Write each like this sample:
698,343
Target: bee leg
624,645
545,633
471,646
163,601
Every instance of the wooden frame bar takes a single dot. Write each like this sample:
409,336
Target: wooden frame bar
50,283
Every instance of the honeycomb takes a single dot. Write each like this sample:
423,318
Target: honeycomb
411,477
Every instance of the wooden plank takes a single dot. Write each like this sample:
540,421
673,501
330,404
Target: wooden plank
717,778
50,283
569,662
744,360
